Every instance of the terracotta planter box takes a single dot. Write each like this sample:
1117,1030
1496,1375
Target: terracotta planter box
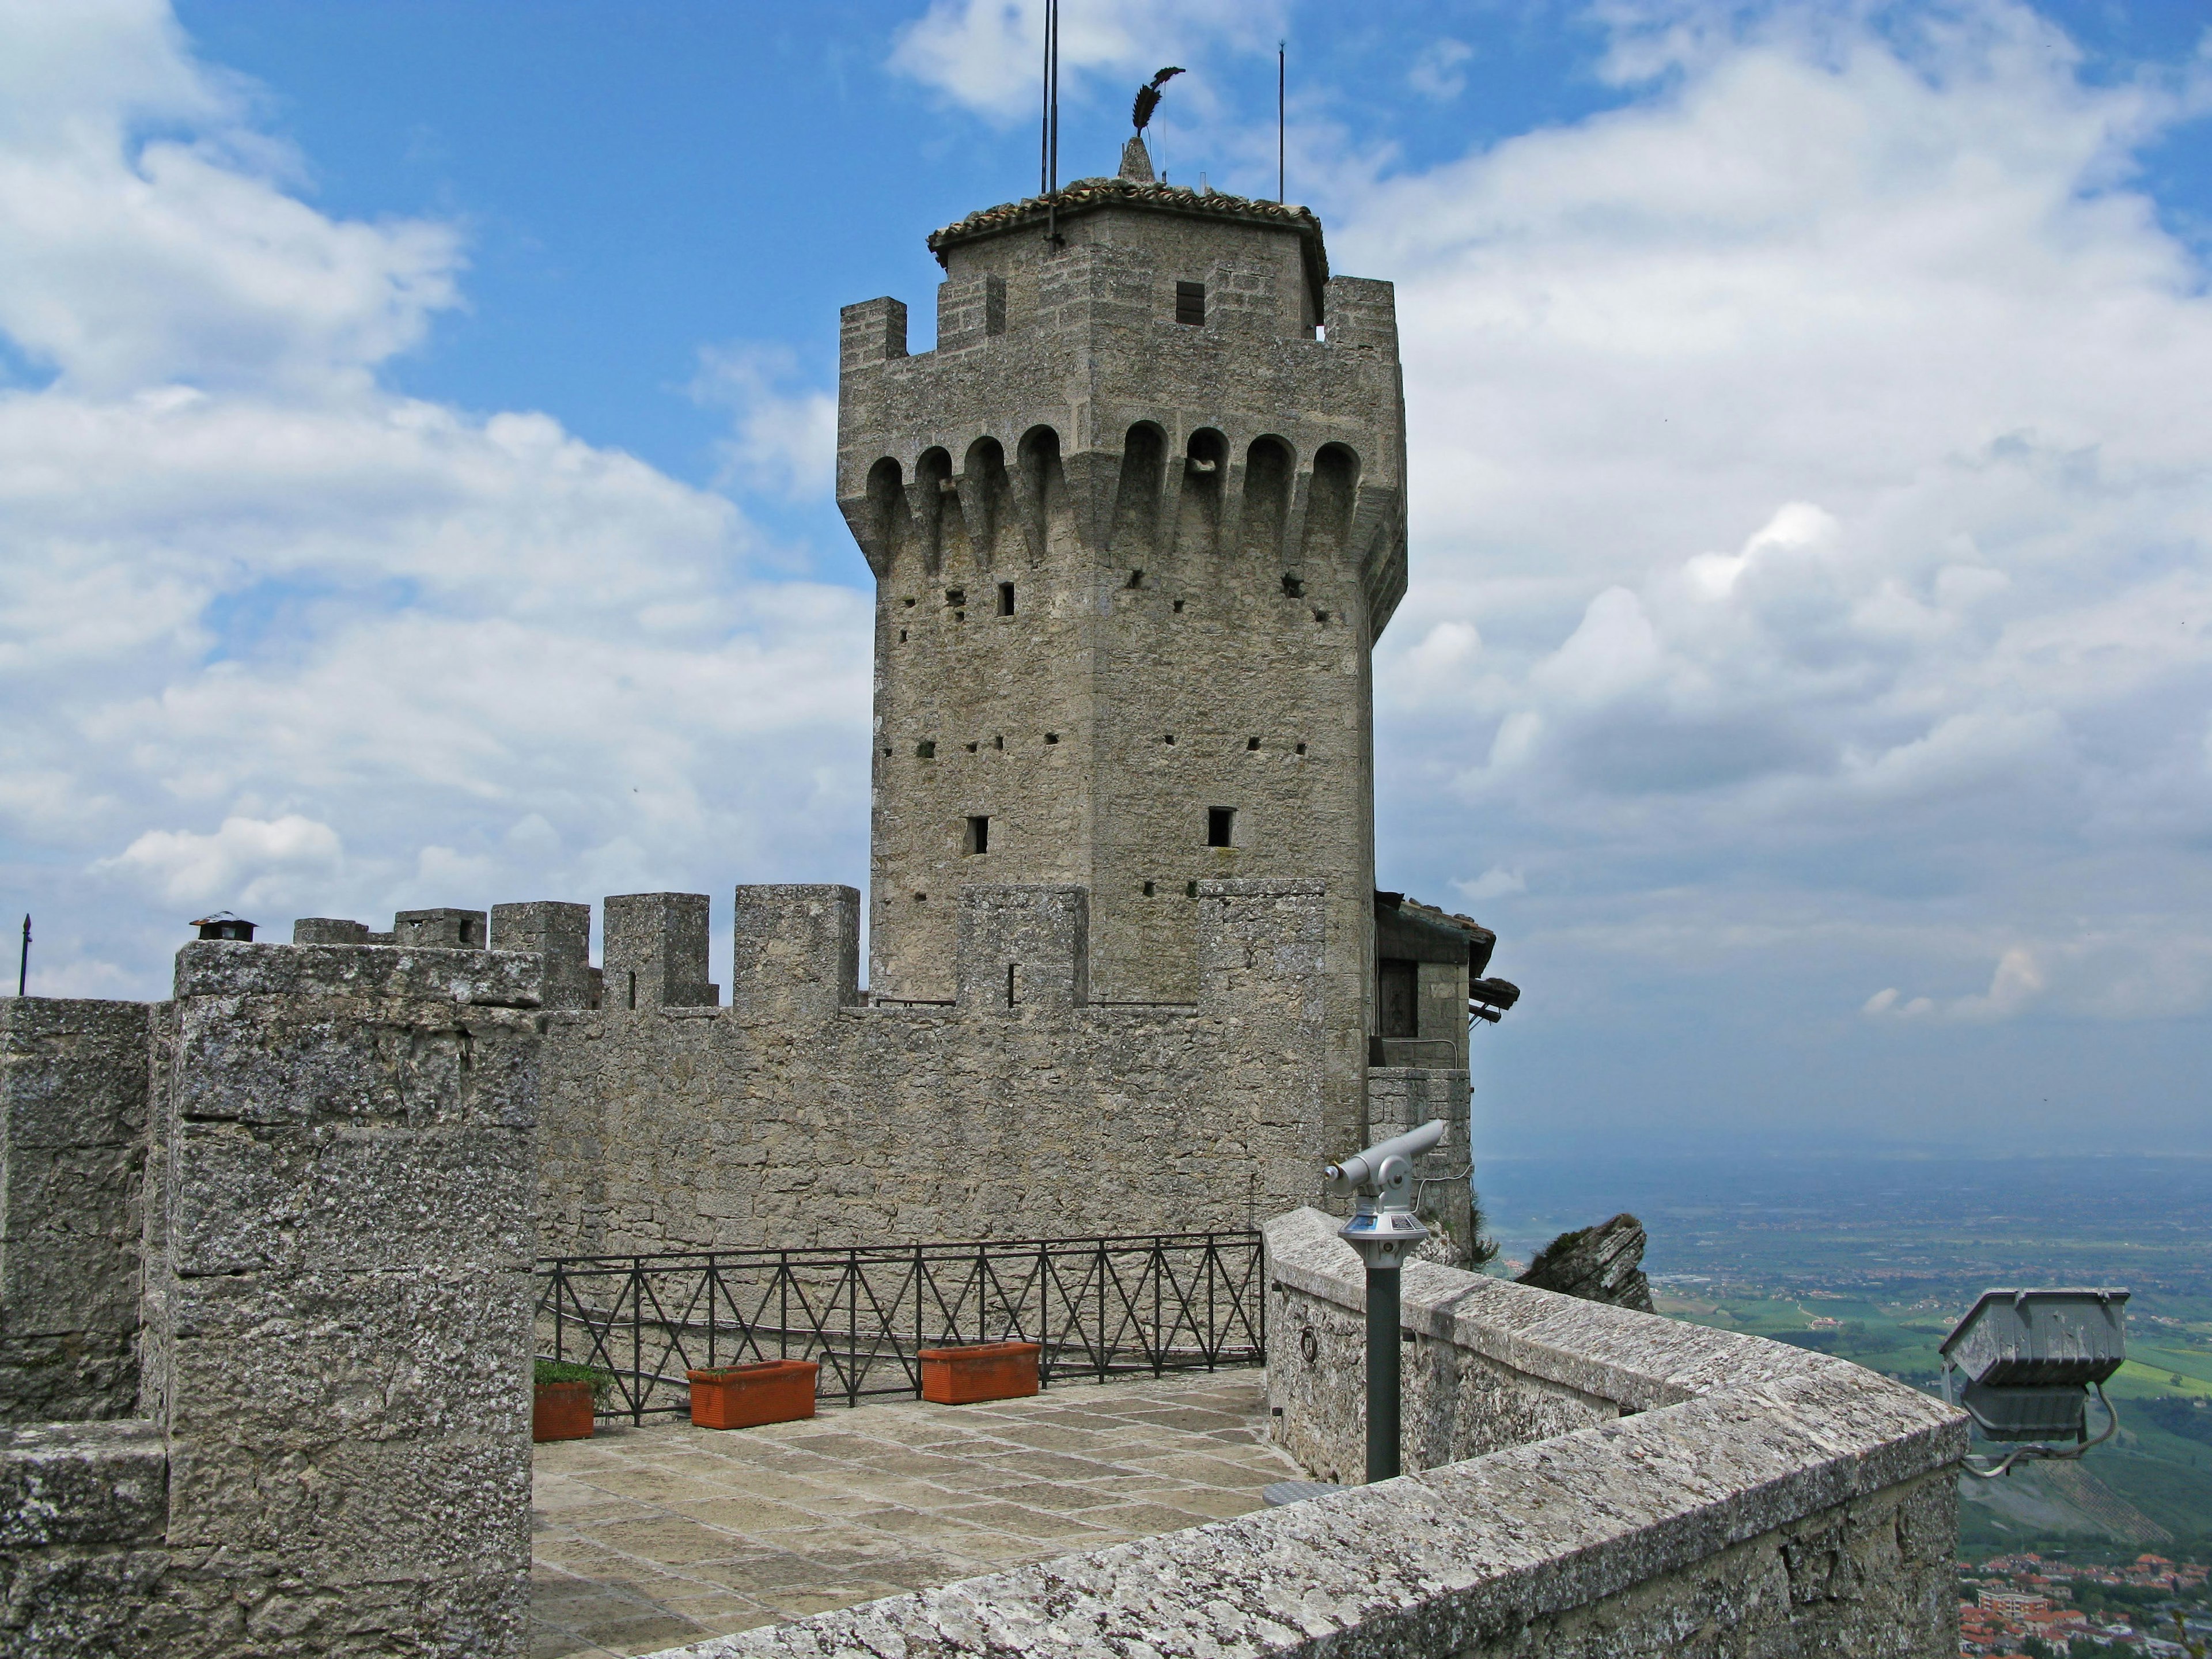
561,1411
982,1370
745,1396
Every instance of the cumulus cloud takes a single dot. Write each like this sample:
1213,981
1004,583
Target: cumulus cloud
984,54
274,637
1439,69
783,435
250,860
1817,441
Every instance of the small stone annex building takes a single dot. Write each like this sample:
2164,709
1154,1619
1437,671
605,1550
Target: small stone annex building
267,1248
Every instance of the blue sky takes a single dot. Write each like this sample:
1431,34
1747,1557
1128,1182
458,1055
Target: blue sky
414,489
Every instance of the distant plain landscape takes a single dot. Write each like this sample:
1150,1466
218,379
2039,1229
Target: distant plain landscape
1875,1259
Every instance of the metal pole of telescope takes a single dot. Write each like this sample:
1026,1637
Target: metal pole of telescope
1382,1370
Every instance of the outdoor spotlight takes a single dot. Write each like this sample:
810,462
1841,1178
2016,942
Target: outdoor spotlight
2027,1361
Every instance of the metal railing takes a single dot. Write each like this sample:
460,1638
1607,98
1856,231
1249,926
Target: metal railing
1097,1307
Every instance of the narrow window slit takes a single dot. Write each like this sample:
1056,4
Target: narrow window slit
979,834
1220,821
1190,304
1006,599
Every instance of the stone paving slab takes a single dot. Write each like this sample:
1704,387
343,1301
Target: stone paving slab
649,1538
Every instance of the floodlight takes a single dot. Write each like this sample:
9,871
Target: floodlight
2027,1361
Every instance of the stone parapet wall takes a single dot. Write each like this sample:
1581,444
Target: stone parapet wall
1641,1489
82,1509
798,1115
73,1078
331,1455
339,1318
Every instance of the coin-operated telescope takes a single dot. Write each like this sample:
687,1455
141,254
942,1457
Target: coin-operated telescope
1384,1230
2026,1362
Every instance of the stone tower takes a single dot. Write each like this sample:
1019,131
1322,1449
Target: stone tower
1136,524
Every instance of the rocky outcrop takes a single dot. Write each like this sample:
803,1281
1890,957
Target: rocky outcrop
1604,1263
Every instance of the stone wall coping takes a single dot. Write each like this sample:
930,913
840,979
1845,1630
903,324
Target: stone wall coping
234,967
83,1483
1638,1361
1447,1560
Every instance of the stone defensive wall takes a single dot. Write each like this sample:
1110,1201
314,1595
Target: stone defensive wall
1590,1483
803,1113
266,1279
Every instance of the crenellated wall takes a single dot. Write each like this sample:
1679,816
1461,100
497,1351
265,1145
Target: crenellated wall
1016,1107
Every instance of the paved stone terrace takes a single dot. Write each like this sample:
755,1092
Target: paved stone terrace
649,1538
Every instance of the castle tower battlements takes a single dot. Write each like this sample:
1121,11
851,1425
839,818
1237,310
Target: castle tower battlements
1136,524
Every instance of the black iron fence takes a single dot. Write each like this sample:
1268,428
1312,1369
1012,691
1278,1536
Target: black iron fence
1097,1307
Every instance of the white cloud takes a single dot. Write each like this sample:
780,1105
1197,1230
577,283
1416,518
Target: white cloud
1496,882
1818,441
254,859
1438,69
783,439
251,601
986,55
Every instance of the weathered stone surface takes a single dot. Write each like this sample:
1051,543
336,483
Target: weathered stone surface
441,929
796,1117
656,952
73,1081
1604,1263
83,1507
561,935
82,1483
224,968
338,1308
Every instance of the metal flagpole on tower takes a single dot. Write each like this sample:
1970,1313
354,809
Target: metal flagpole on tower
1280,196
1052,123
23,962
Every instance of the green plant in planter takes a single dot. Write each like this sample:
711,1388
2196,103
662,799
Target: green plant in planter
560,1370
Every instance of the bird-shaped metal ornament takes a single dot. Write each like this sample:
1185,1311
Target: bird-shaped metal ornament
1148,96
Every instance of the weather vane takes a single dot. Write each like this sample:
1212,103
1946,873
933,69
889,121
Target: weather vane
1148,96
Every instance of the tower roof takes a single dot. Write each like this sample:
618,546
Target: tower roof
1091,195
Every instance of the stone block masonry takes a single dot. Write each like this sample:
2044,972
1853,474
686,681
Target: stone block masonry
330,1453
73,1081
1017,1108
338,1317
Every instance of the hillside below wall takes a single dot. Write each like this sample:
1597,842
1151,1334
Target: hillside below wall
801,1115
